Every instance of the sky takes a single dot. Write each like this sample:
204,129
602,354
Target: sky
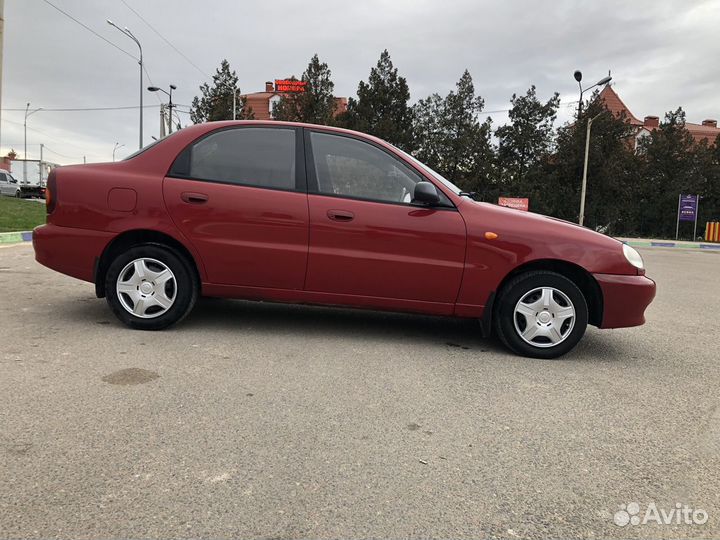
662,54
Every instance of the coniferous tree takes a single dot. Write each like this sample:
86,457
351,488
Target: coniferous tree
451,138
526,141
381,107
216,101
672,164
316,104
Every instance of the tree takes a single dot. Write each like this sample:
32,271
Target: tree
673,163
216,101
526,141
451,138
381,108
316,104
612,179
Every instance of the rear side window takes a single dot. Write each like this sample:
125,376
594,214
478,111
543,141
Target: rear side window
261,157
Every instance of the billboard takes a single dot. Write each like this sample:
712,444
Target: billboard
688,207
518,203
289,85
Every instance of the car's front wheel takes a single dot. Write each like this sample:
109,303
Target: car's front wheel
540,314
150,287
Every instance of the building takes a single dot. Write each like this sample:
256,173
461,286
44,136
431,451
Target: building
262,103
707,130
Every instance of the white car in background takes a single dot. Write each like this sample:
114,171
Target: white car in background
9,185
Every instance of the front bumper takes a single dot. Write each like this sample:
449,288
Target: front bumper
625,299
69,250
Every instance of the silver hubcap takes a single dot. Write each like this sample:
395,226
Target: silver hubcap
146,288
544,317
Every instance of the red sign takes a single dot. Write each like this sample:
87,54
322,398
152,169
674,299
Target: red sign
516,203
289,85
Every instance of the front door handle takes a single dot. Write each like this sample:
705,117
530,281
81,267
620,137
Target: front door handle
340,215
194,198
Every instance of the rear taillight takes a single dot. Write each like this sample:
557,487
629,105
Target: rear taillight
51,193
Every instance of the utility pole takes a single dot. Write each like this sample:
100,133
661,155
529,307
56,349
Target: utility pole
117,145
25,129
2,37
40,165
162,120
585,167
129,34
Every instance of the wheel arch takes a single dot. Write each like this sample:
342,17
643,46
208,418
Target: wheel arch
135,237
577,274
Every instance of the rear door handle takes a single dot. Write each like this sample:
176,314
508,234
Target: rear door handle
340,215
194,198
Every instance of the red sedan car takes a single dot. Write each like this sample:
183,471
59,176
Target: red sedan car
312,214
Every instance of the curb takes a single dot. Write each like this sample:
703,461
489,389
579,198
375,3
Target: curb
668,244
15,237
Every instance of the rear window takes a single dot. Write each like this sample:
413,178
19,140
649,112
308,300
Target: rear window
259,157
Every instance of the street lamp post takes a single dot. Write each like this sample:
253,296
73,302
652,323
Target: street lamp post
28,112
117,145
585,168
129,34
170,103
578,78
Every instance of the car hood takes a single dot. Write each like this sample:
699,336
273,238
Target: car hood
534,236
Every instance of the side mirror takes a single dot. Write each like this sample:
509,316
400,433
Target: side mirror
425,194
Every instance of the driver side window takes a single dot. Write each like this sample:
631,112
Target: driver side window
352,168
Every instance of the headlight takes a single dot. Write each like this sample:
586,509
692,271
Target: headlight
633,257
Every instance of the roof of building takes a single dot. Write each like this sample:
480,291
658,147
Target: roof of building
615,105
700,132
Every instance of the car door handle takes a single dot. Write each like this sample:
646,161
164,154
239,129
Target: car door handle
194,198
340,215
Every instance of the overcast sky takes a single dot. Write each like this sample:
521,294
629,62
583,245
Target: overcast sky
663,54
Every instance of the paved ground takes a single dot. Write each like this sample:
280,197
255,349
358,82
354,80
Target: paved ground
256,420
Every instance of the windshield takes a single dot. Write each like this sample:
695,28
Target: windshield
447,183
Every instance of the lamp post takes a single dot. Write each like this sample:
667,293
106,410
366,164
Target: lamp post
117,145
578,78
129,34
28,112
585,167
170,103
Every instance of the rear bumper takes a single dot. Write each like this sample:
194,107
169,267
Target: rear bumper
69,250
625,299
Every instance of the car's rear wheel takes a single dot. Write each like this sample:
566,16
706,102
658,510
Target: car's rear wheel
150,287
540,314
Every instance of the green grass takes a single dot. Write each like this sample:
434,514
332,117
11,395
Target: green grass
20,214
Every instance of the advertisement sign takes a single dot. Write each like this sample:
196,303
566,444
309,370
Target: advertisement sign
289,85
688,207
518,203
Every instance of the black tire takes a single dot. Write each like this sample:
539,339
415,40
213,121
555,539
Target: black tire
185,289
18,194
507,323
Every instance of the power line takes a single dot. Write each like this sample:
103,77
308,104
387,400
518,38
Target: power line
86,27
43,133
165,39
78,109
46,147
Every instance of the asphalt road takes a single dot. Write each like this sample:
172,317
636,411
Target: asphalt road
273,421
